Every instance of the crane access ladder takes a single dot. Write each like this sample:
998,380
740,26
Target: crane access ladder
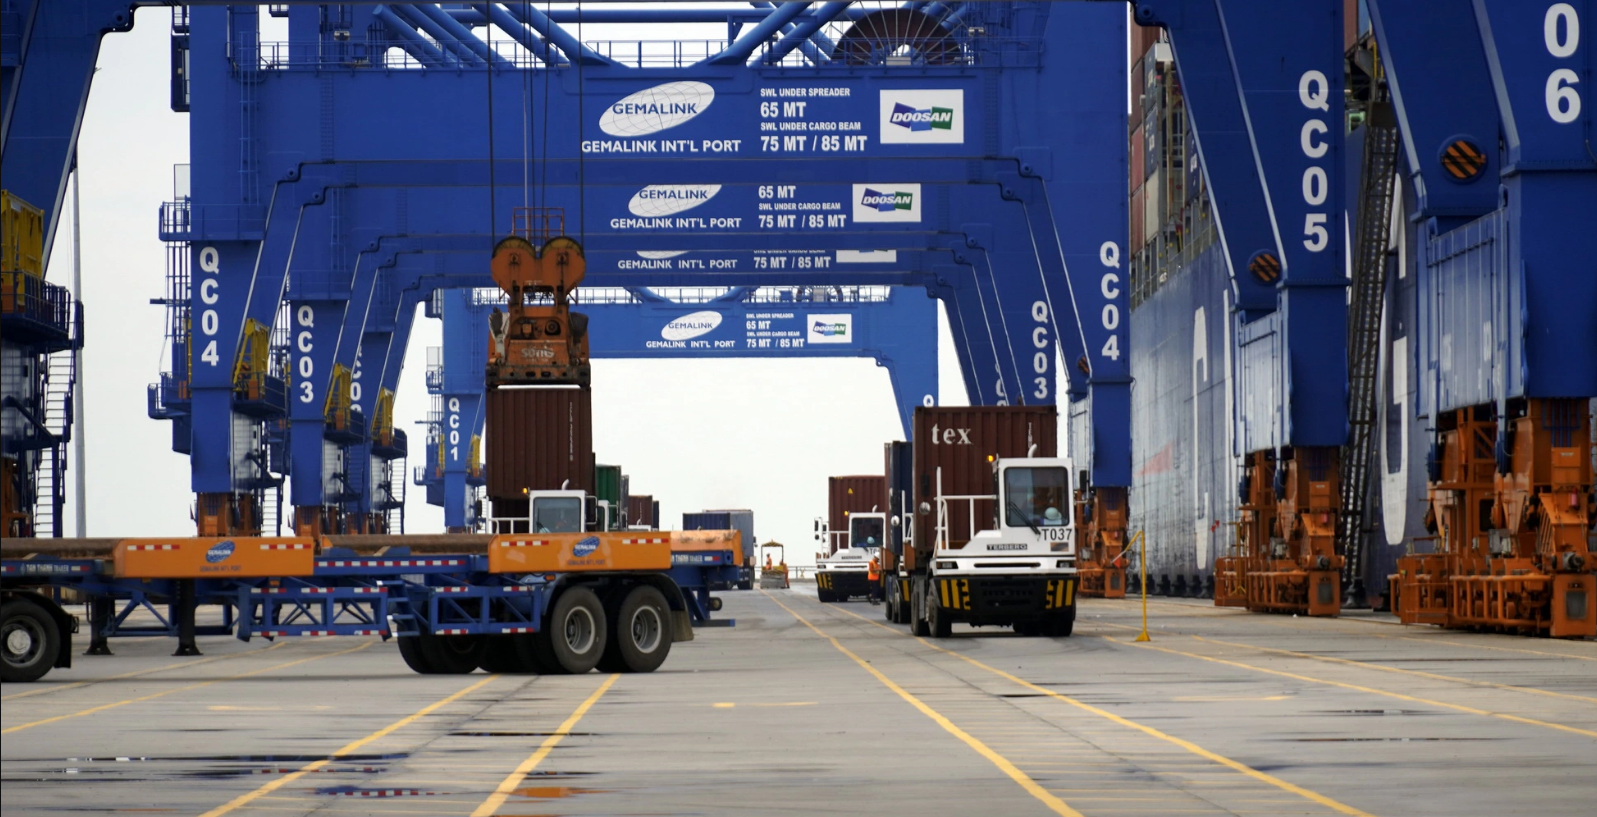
1370,258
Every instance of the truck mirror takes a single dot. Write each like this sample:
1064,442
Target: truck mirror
817,526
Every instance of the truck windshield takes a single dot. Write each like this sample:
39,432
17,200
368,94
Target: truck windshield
865,532
561,514
1035,497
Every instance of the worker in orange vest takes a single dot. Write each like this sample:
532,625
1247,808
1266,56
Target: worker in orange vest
873,576
767,561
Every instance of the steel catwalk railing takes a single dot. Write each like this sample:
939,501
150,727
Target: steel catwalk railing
1381,145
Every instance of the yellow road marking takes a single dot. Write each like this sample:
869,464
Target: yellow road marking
1031,786
1384,668
1194,748
1400,696
348,749
103,707
514,780
1487,647
137,673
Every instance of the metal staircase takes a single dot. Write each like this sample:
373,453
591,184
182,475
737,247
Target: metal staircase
1379,173
57,385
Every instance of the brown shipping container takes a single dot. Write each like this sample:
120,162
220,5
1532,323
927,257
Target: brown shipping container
640,510
538,438
1143,38
1136,154
959,440
846,495
1137,238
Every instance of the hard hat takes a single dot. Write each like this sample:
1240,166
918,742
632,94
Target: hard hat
1053,516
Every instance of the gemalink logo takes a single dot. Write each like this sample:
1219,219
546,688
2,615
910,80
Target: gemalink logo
830,329
219,552
923,117
887,202
918,119
670,199
652,110
691,326
585,547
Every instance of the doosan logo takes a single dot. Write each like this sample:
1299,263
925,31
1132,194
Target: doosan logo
887,202
823,329
917,119
691,326
219,552
923,117
670,199
585,547
652,110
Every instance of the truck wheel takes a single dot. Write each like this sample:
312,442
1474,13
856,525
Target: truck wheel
573,636
453,654
937,622
640,635
504,655
410,650
1062,625
918,616
30,639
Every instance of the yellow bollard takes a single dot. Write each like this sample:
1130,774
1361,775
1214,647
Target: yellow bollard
1143,636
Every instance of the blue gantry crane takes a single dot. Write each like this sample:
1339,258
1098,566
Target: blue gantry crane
288,222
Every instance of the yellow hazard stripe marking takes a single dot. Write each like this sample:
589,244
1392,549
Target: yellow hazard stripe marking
1194,748
1398,695
516,777
349,749
103,707
1031,786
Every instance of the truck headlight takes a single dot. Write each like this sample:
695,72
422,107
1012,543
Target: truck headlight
947,565
1065,563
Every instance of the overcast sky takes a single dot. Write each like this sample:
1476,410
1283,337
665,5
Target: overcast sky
760,434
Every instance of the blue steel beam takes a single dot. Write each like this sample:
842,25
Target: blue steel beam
574,51
538,46
1441,90
1286,168
738,51
411,41
1219,124
450,42
43,97
803,31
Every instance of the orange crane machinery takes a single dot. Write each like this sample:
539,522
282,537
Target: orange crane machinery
1514,549
538,340
1101,550
1286,560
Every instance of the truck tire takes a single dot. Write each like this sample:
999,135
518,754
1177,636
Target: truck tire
573,636
918,624
1061,625
937,623
410,650
503,654
640,634
453,654
30,639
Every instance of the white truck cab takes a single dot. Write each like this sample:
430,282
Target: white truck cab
562,511
845,573
1010,560
1035,530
